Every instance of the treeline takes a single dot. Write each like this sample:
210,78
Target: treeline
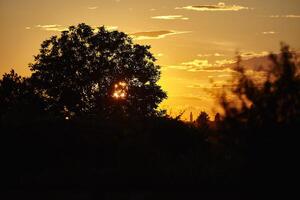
72,124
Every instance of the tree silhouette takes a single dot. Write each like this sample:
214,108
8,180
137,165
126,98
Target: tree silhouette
80,72
217,118
18,98
203,120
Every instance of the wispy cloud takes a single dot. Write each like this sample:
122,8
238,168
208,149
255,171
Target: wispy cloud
292,16
269,32
198,65
197,69
60,28
93,7
148,35
109,28
285,16
216,84
223,62
218,7
211,55
201,64
170,17
52,27
252,54
224,43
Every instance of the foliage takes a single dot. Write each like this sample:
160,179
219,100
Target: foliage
203,120
261,124
78,70
275,101
18,99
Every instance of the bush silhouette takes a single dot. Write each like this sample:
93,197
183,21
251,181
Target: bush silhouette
19,100
273,101
261,122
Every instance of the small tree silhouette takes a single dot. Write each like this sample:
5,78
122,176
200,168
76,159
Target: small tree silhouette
217,118
79,72
203,120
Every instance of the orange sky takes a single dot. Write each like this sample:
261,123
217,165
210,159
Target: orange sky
192,39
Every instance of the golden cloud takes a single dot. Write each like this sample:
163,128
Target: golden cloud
212,69
198,63
285,16
252,54
211,55
219,7
60,28
52,27
268,32
109,28
93,8
148,35
204,65
170,17
224,62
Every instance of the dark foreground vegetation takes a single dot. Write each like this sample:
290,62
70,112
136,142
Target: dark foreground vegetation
67,126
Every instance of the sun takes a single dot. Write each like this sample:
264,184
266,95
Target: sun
120,90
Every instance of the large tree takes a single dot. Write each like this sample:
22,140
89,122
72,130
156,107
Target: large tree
86,70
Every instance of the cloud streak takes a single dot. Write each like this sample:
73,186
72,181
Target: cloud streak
60,28
109,28
170,17
204,65
52,27
148,35
252,54
93,7
269,32
285,16
211,55
218,7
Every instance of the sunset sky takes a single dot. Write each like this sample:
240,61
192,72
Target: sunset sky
192,39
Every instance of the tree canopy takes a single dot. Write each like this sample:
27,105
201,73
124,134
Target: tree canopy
203,120
81,71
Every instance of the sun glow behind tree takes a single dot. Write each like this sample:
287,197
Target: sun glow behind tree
120,90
